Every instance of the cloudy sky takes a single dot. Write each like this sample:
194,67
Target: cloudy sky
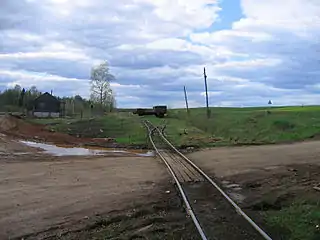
254,50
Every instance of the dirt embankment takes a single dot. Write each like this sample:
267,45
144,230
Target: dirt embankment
18,128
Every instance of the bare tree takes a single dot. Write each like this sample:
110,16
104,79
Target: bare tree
101,91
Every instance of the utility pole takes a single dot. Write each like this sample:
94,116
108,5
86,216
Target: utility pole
186,99
206,87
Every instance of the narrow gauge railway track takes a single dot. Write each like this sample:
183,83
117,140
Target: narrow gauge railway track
214,213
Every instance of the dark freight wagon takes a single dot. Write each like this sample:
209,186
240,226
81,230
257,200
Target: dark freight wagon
144,111
158,111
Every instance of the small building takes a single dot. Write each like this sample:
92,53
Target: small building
46,105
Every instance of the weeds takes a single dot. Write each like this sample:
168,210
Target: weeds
299,221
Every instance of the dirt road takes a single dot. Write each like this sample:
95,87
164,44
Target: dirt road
38,195
43,195
227,161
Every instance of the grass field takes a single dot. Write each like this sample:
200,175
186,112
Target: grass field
238,126
227,126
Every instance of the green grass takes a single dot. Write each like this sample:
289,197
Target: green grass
182,133
123,127
52,121
299,221
227,126
299,109
254,125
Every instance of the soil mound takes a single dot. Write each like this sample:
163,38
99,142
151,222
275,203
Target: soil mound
6,123
14,125
17,127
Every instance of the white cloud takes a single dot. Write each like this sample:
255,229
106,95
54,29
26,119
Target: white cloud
189,13
55,55
33,78
226,35
212,94
155,47
292,14
252,63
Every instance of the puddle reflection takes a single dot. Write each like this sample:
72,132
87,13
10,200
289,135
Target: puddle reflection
62,150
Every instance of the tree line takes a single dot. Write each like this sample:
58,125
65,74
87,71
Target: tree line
18,99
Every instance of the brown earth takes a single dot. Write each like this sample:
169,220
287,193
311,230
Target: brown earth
267,189
263,178
37,195
18,128
227,161
274,189
8,146
46,197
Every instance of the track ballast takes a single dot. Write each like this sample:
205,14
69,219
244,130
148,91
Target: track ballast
214,213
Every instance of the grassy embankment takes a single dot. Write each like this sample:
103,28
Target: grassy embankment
124,128
243,126
227,126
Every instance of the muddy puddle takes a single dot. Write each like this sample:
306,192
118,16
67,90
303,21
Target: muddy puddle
64,150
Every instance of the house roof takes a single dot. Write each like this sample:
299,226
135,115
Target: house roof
48,94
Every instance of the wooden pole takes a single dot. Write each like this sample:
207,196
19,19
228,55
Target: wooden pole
206,88
186,98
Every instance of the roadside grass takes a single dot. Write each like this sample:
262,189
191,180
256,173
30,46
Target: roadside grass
52,121
299,221
125,128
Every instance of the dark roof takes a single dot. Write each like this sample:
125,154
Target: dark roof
48,95
46,103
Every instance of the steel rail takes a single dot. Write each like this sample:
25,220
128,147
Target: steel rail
184,197
236,207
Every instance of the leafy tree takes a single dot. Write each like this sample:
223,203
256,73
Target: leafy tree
10,97
34,91
30,96
21,98
101,91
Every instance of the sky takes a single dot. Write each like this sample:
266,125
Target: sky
253,50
